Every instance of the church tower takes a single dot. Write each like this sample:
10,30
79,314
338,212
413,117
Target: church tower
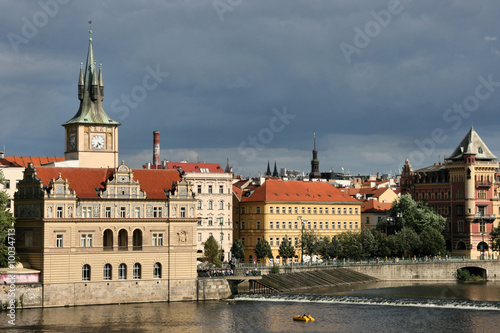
315,174
91,135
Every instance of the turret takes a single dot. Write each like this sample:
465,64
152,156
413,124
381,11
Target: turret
101,84
81,83
95,85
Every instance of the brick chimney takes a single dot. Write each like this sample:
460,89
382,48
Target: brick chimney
156,149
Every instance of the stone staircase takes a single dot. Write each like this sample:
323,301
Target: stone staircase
312,279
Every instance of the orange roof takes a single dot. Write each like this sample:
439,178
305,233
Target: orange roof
196,167
373,206
296,190
237,191
23,161
85,181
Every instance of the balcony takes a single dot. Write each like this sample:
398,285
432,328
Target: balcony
478,218
484,184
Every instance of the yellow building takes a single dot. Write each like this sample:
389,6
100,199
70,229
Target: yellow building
280,208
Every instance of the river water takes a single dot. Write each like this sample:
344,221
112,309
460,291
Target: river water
374,307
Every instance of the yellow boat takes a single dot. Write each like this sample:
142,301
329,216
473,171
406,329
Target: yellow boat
303,318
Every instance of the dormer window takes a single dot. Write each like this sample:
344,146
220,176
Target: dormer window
480,150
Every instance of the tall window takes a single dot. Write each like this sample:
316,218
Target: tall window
221,204
289,224
296,225
326,225
59,240
271,210
258,224
107,272
199,204
122,272
108,212
86,212
156,211
210,221
242,225
271,241
210,189
123,212
59,212
183,211
137,271
210,204
137,212
221,189
157,271
86,272
258,210
271,225
199,189
86,240
28,239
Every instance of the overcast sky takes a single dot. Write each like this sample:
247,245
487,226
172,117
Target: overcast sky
251,80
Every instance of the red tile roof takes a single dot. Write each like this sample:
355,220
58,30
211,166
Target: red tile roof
237,192
85,181
23,161
373,206
196,167
294,190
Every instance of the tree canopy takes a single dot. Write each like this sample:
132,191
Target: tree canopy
263,249
286,249
212,253
238,249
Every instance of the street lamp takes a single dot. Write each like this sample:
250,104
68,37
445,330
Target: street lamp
388,220
221,222
301,239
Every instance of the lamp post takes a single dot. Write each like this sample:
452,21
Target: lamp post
479,216
301,239
221,222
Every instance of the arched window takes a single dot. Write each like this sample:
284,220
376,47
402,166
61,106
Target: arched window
123,240
460,245
221,204
199,204
86,272
122,272
137,271
107,240
108,270
137,240
157,271
482,246
210,204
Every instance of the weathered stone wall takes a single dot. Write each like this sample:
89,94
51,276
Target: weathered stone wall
213,289
31,295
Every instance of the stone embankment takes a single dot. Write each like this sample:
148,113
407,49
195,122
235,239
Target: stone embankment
313,279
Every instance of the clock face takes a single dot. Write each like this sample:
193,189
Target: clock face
72,142
98,141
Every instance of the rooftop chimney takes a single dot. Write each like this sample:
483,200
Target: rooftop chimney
156,148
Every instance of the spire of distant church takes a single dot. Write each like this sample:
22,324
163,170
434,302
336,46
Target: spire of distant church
275,172
91,93
315,163
228,168
268,172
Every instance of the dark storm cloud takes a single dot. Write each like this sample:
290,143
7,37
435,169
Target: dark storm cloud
229,64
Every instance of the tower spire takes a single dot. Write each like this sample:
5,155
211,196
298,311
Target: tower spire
315,174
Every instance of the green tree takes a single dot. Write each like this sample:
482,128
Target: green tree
238,249
309,243
286,249
6,223
329,248
384,244
263,249
409,242
351,245
368,242
212,253
432,242
495,239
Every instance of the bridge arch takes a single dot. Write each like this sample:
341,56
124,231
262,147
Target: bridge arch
482,272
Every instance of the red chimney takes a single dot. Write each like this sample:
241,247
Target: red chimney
156,148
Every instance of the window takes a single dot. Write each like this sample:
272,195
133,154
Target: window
367,220
308,225
296,225
308,210
221,189
156,211
345,225
59,240
277,241
210,205
296,241
303,210
183,211
86,272
243,241
277,225
271,241
199,189
296,210
210,221
28,239
326,210
157,271
258,210
107,272
210,189
315,211
283,210
460,210
123,212
86,212
326,225
460,226
242,210
321,210
339,225
137,212
271,210
271,225
355,225
333,225
289,210
345,211
283,224
321,225
289,224
258,224
199,222
122,272
157,239
6,184
338,211
221,204
108,212
315,225
277,210
59,212
242,225
137,271
482,227
350,225
86,240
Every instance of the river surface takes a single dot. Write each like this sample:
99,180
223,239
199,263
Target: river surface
374,307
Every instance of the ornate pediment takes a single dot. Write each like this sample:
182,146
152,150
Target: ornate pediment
122,185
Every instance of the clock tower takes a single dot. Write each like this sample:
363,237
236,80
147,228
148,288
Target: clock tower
91,135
